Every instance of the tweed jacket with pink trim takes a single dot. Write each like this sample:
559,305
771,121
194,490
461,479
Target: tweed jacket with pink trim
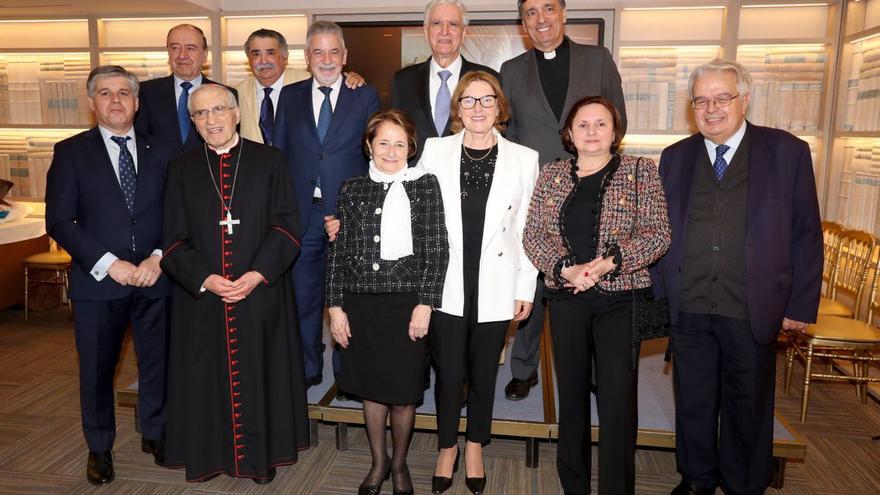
545,241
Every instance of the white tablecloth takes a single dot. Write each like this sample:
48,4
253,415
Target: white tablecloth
22,230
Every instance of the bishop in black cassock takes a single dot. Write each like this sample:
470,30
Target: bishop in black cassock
236,392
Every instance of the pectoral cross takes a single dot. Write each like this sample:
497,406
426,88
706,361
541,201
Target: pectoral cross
229,222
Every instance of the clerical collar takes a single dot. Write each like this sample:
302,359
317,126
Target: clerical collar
222,151
552,54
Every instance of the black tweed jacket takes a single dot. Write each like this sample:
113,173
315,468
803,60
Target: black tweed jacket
355,264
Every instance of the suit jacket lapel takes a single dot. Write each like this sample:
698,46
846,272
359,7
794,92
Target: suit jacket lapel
424,94
144,169
501,191
105,166
574,76
686,179
761,173
452,202
168,100
309,111
342,102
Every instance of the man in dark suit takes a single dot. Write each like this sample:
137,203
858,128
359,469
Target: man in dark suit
163,112
745,261
319,127
104,206
418,88
542,84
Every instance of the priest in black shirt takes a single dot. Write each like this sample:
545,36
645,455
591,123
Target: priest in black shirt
236,391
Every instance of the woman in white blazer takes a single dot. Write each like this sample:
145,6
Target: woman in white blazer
486,183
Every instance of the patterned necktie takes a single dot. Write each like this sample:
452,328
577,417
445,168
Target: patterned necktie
267,116
127,173
441,105
720,164
326,114
183,112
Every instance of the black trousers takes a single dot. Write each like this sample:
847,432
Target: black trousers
719,370
99,327
463,349
585,327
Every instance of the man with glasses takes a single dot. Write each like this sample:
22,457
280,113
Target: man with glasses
163,101
319,127
423,90
236,391
542,84
745,261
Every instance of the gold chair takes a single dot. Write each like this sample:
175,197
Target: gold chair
55,260
831,233
848,274
840,338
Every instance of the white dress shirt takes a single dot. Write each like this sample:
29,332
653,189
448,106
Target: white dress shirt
178,90
318,96
274,95
434,81
99,271
733,142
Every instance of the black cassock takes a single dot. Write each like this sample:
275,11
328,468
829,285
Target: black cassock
236,388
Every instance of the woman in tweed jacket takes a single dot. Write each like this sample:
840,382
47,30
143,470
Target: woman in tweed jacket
594,244
385,273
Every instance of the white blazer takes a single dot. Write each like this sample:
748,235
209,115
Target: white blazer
506,274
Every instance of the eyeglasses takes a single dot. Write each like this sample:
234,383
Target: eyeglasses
217,111
720,101
468,102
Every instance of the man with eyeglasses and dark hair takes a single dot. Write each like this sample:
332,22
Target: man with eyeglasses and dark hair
745,261
236,390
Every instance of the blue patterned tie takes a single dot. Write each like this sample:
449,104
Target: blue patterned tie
267,116
720,164
183,112
441,105
326,114
127,173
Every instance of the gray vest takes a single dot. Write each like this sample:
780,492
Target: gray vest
713,278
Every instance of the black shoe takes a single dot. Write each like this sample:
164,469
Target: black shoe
476,485
155,447
404,474
519,389
440,484
376,489
689,488
268,479
99,469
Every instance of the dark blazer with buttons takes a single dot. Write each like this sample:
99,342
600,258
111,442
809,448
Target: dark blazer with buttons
355,264
86,211
157,114
410,92
783,228
339,157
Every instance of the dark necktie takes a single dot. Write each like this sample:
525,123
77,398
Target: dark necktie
127,173
441,110
267,116
720,164
183,112
326,114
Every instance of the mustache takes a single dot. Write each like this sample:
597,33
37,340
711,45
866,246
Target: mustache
264,66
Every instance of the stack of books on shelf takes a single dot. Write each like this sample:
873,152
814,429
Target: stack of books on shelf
42,89
237,68
863,89
655,86
859,200
25,160
787,83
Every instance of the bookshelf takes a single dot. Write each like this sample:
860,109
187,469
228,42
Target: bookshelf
854,173
236,29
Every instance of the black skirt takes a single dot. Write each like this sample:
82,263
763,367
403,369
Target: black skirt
381,363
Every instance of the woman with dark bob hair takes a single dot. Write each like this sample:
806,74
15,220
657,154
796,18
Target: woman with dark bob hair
384,275
593,235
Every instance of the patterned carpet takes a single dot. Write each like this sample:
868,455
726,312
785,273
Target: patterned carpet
42,450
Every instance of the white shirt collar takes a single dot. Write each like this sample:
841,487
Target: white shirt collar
454,67
226,150
733,142
336,85
196,82
106,134
276,86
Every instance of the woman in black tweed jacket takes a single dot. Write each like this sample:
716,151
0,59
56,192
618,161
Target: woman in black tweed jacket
385,273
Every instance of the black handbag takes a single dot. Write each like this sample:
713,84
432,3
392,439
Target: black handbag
650,315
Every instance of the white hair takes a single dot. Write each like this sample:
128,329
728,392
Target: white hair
743,78
457,3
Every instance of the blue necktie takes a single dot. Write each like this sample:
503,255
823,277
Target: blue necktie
267,116
183,112
720,164
326,114
441,105
127,173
